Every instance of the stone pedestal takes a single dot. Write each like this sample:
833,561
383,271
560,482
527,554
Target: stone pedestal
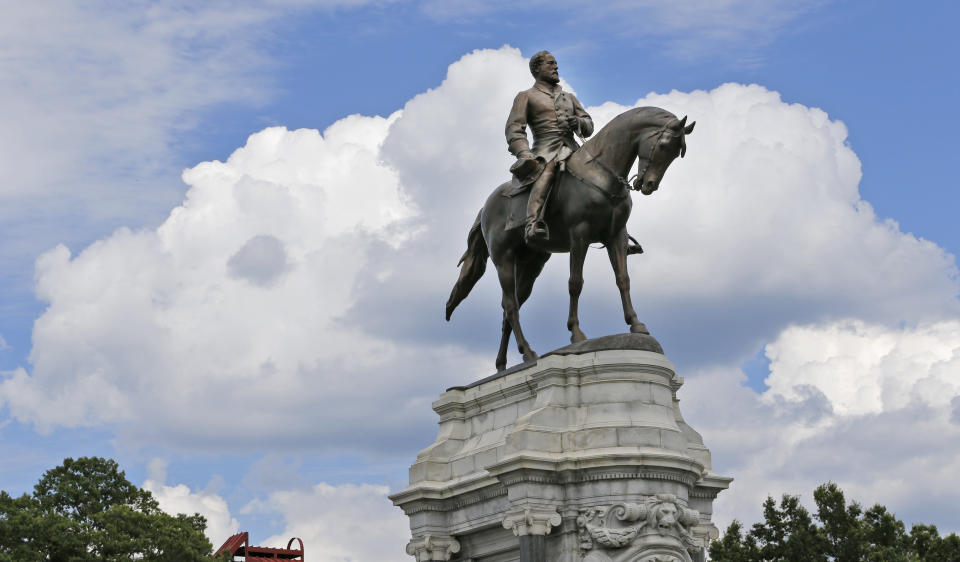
581,456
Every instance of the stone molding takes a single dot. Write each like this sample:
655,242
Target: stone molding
414,504
660,528
531,521
610,466
433,547
579,475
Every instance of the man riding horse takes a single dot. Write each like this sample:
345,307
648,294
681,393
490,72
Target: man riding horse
592,203
554,116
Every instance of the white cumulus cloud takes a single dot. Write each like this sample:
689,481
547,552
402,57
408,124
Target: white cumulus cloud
99,100
868,369
179,498
868,406
233,305
346,523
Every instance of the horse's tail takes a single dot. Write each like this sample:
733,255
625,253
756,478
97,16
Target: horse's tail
473,262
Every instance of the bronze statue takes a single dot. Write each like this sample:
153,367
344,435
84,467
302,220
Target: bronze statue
589,202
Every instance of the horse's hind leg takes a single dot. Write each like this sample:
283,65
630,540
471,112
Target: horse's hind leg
506,272
528,270
617,251
504,344
578,254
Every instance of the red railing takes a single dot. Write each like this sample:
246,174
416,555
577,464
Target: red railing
239,545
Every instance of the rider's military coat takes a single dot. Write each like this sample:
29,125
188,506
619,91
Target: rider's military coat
547,112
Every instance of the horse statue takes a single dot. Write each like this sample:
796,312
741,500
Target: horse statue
588,203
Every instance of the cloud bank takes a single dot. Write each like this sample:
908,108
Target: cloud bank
347,523
871,407
294,299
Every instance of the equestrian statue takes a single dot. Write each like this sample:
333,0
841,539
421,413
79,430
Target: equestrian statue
563,197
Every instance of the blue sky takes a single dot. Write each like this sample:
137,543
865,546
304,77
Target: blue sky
109,106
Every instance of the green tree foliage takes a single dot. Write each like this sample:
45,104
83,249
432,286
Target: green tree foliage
837,533
86,510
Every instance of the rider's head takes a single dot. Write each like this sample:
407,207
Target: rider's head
543,66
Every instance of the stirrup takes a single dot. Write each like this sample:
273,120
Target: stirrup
536,230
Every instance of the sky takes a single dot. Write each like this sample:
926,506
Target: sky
229,229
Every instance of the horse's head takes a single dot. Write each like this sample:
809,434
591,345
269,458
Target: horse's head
657,149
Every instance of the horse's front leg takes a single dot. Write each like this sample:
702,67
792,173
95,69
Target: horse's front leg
578,254
617,250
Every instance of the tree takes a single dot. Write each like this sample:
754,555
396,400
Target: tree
86,510
841,533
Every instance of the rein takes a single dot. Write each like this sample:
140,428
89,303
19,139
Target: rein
624,182
613,197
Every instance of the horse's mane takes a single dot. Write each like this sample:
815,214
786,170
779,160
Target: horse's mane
634,116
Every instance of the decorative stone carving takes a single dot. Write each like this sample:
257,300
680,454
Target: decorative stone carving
432,547
657,530
531,521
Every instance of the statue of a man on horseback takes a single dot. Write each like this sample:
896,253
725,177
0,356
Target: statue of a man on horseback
579,196
553,116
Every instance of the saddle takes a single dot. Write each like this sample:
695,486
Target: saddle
518,193
525,172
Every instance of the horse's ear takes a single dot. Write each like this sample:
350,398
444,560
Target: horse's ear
683,121
689,128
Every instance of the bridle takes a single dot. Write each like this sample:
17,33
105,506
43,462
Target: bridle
653,151
626,183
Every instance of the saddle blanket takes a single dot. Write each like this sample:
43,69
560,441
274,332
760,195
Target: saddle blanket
517,195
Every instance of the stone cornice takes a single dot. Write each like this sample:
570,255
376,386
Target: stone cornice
714,481
416,503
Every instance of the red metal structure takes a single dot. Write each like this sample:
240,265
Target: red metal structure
239,545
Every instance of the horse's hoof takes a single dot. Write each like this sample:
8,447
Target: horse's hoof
577,336
639,328
530,355
501,367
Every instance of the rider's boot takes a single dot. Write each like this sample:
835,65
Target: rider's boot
536,228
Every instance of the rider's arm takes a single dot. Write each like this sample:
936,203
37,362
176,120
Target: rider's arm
583,118
516,129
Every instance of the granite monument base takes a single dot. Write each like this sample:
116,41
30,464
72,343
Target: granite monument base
581,456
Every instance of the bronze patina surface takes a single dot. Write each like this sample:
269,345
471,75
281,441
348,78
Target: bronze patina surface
589,201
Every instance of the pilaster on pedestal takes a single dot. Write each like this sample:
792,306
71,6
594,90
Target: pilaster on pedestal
432,547
537,522
581,457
